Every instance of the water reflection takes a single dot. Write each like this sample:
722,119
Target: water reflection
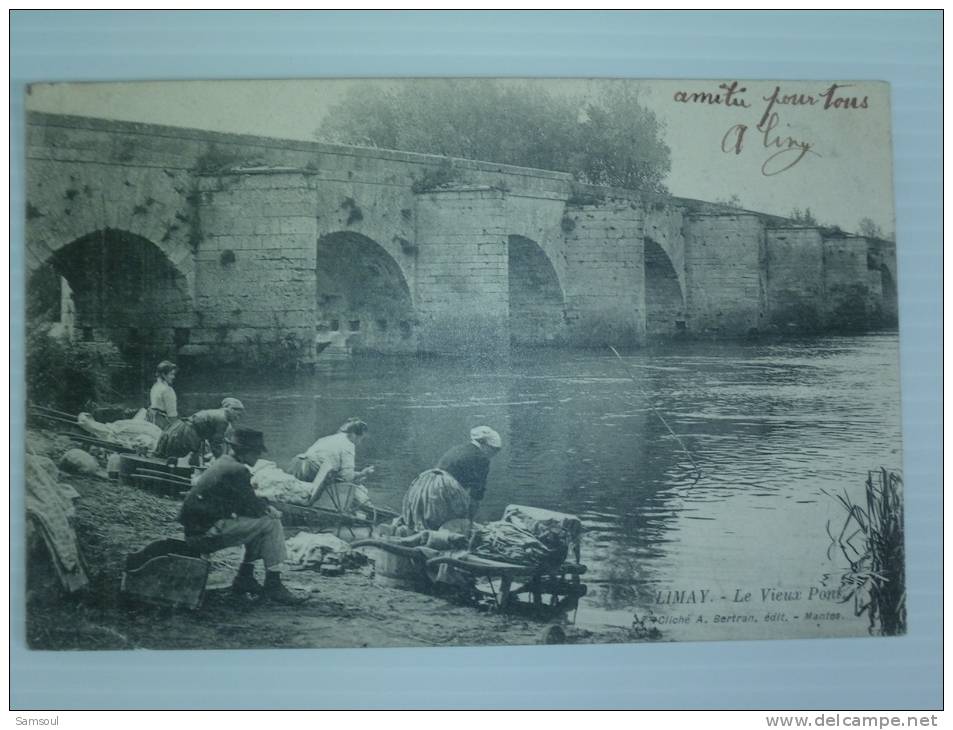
770,426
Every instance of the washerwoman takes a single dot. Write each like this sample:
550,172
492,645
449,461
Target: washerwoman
453,490
331,459
163,405
187,437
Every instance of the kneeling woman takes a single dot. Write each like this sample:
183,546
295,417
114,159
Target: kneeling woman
454,489
330,459
188,436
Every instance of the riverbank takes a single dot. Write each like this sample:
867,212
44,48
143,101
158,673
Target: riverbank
350,610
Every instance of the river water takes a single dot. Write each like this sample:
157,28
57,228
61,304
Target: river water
769,426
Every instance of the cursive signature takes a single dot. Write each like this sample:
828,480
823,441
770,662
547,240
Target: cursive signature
787,151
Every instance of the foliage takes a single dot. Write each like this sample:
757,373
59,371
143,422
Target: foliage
866,227
606,137
582,195
435,178
281,354
215,159
70,376
804,217
732,201
871,541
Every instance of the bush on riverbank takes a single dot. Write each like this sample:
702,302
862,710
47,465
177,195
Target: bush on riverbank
281,354
68,375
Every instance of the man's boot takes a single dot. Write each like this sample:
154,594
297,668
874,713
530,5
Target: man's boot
276,591
245,580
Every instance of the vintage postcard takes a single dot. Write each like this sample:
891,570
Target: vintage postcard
429,362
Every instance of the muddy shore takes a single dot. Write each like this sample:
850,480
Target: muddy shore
349,610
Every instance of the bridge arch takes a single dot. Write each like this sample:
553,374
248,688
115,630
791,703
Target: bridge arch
664,296
536,298
69,199
361,292
113,285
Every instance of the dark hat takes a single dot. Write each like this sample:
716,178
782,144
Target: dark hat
247,438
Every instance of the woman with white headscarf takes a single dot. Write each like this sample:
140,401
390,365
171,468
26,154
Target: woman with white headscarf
454,489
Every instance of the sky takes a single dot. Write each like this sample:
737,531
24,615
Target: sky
839,142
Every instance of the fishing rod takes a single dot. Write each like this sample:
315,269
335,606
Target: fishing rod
698,472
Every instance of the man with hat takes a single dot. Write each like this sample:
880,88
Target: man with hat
223,509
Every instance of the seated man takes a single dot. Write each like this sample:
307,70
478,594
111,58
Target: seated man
222,510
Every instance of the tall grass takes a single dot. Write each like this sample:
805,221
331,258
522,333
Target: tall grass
871,541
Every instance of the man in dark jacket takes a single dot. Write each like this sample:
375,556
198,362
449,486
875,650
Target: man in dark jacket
223,509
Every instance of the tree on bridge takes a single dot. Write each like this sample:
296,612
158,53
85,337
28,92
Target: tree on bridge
804,217
867,227
606,138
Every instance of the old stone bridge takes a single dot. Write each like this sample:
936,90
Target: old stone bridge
204,242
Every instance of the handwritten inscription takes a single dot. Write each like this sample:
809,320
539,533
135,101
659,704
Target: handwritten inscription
784,151
729,95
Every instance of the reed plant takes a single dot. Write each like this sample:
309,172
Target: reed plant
871,541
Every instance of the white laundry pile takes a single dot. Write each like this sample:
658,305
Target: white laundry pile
309,550
136,433
272,483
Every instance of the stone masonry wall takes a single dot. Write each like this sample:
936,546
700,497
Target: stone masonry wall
882,257
238,219
846,293
462,272
724,262
795,275
255,265
605,291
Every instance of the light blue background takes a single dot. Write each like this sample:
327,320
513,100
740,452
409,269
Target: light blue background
902,48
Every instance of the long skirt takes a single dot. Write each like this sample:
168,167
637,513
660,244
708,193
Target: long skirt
434,498
304,470
179,439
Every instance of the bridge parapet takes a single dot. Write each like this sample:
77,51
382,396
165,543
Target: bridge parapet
251,225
